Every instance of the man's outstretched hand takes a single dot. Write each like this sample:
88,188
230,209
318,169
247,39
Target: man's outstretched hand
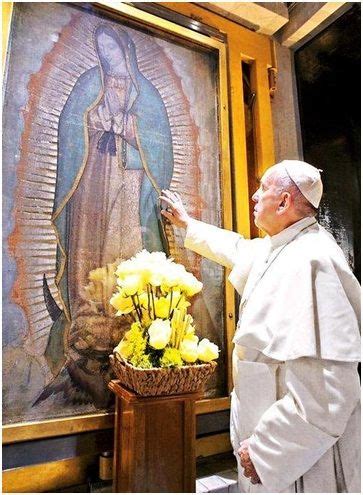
175,211
246,463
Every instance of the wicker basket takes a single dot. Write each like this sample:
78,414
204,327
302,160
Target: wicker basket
162,381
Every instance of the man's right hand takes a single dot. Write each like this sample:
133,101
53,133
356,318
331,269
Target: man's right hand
247,464
175,211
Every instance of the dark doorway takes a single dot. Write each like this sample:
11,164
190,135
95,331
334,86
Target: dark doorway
329,87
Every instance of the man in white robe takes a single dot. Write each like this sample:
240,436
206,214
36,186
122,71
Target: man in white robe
295,407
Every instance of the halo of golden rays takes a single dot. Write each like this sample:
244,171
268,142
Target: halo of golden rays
33,242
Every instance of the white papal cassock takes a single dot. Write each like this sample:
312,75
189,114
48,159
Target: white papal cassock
296,387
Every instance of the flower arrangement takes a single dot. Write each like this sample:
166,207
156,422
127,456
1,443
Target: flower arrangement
154,290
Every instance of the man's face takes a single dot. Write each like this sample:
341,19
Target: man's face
267,199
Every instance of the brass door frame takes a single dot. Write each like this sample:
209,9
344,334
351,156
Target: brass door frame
257,49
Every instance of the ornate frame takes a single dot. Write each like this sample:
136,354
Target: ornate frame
18,432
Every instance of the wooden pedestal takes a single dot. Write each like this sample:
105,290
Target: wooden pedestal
154,449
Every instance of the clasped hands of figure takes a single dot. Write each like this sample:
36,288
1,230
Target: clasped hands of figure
177,214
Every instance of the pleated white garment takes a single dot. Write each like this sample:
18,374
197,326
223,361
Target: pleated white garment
296,387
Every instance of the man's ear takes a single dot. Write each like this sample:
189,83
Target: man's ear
285,202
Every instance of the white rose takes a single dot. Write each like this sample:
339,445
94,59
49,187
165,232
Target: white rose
207,351
189,350
159,333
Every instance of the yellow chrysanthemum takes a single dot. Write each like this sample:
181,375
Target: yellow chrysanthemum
141,361
171,357
135,346
134,333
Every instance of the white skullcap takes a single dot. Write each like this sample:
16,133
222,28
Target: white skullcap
306,177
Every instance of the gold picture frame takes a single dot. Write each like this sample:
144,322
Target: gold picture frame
243,46
18,432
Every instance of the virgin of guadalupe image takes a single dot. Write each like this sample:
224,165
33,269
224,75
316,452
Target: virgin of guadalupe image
114,156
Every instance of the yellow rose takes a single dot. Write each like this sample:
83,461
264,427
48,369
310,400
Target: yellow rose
159,333
190,336
151,266
124,349
121,303
145,257
189,350
162,306
157,257
190,285
124,268
207,351
173,276
132,284
156,278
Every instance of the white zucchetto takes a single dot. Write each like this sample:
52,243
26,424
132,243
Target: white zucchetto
306,177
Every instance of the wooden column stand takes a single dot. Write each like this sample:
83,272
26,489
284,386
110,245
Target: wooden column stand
154,449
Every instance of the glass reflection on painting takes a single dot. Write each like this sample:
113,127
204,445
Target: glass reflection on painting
111,115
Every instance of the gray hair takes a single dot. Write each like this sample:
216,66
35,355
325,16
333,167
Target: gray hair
302,206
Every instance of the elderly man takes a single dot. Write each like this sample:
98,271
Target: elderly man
295,411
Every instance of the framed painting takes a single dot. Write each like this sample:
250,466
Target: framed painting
104,106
